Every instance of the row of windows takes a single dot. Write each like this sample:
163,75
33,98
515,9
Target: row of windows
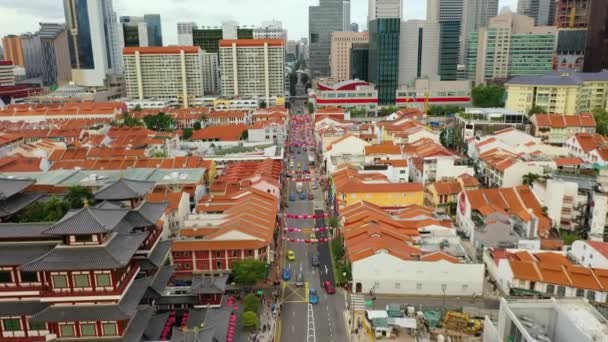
60,281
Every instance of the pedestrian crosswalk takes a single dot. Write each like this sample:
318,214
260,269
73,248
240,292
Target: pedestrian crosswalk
357,302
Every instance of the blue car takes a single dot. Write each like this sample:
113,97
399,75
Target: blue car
286,274
313,297
292,196
302,195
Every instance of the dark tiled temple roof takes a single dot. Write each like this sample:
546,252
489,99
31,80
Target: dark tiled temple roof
86,221
124,189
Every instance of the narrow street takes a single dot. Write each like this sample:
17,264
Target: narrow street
300,319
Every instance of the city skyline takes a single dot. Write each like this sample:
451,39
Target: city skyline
22,17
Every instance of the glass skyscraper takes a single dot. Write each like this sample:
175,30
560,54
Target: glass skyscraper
155,34
383,64
330,16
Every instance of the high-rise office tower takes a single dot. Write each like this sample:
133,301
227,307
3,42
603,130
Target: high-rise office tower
184,34
253,67
55,54
329,16
383,63
510,46
596,50
92,31
155,32
208,38
13,51
359,57
572,13
571,20
341,43
542,11
476,14
448,13
7,76
31,55
270,29
354,27
418,51
142,31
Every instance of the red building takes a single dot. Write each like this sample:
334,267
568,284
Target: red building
91,275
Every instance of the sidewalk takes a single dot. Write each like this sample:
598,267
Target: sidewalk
268,319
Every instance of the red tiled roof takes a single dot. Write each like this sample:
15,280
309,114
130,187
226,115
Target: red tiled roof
18,163
601,247
568,161
159,50
386,147
220,133
447,187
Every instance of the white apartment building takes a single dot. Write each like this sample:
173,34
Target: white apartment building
184,33
253,67
7,76
589,253
339,58
270,29
164,72
418,51
384,9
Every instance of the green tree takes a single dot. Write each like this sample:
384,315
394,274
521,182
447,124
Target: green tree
529,178
601,120
293,80
248,271
536,110
358,112
263,104
251,303
488,96
333,222
77,195
245,135
250,320
337,249
127,120
197,125
387,110
444,110
304,78
187,134
43,211
160,122
311,107
137,108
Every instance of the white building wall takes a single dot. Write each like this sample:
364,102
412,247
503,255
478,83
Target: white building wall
184,34
384,9
598,216
587,255
230,29
386,274
411,46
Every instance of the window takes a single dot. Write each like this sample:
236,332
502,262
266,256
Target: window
83,238
550,288
60,281
28,277
218,254
580,292
103,280
465,288
235,253
37,326
87,329
109,329
419,286
561,291
81,280
591,295
397,285
67,330
5,277
250,252
11,324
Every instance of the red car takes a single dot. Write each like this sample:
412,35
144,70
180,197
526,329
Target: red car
329,288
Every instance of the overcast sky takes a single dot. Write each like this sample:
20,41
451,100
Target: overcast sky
19,16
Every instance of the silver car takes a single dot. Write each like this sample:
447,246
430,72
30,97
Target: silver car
300,280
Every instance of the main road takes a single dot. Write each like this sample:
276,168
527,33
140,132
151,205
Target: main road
301,321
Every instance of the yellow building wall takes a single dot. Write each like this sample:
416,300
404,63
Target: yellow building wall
567,100
387,199
280,101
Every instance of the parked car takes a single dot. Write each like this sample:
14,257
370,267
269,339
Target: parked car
291,255
313,296
302,195
315,260
311,196
286,274
315,184
299,280
292,196
329,287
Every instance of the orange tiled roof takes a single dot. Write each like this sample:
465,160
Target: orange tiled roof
590,141
468,180
451,187
562,121
159,50
173,198
386,147
568,161
220,133
437,256
18,163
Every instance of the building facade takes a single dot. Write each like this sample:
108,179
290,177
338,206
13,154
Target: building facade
32,56
211,73
510,46
384,9
253,67
134,31
564,93
448,13
164,72
12,49
359,60
330,16
542,11
271,29
341,44
155,34
596,50
184,33
572,13
383,62
7,76
418,51
55,54
92,33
